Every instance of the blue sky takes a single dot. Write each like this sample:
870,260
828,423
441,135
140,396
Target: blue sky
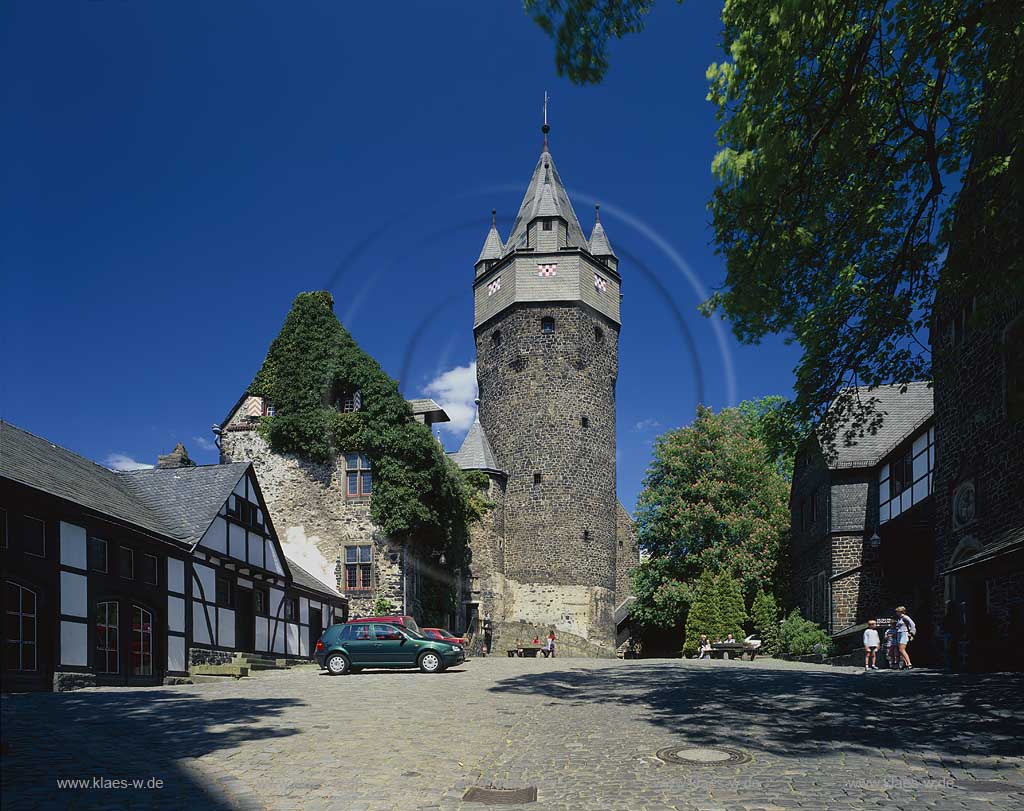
176,173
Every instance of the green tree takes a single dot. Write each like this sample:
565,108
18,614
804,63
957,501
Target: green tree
765,616
803,637
704,616
662,599
732,613
861,142
713,499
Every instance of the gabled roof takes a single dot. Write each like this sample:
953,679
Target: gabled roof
187,499
303,579
40,464
476,453
902,414
545,197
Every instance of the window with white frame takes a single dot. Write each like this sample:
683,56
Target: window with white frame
906,479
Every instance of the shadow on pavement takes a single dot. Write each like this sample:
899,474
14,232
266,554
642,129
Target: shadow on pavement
806,714
143,735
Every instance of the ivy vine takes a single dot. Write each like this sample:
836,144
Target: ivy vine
419,494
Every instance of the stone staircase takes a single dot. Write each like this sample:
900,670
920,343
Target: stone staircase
242,665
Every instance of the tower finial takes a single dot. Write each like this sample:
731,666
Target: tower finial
545,129
597,212
494,217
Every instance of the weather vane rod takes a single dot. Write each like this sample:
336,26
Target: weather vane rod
545,129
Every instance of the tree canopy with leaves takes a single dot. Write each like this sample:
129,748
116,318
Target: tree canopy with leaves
713,499
418,493
849,132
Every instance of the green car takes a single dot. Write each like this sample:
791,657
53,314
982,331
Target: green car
357,645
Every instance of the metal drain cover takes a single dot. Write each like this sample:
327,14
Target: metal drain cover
500,796
703,755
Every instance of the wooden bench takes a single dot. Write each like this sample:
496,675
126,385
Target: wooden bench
726,650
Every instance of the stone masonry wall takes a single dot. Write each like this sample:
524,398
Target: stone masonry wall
307,499
810,548
536,389
627,554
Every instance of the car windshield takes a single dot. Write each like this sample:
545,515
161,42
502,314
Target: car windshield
414,634
446,633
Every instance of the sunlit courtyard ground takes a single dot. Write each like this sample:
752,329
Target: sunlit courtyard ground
585,733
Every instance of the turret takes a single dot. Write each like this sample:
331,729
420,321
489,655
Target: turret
600,246
493,247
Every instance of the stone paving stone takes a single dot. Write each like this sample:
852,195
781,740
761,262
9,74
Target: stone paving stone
585,732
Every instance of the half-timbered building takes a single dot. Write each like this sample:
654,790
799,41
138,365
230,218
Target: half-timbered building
134,577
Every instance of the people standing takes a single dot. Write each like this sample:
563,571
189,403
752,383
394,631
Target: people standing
549,646
488,633
870,645
892,646
907,630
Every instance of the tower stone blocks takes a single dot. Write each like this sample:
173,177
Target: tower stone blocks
546,327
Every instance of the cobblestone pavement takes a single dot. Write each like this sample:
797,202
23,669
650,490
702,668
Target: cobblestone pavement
584,732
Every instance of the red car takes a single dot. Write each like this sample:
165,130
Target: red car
441,635
402,620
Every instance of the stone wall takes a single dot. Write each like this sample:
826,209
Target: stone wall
205,656
548,408
307,501
979,436
65,682
810,546
627,555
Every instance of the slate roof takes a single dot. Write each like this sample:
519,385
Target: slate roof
178,503
493,246
38,463
476,453
545,197
187,499
599,243
902,414
300,577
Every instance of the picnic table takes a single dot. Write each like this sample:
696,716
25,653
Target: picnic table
727,649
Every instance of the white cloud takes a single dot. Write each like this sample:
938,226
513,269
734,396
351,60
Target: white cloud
455,391
649,424
119,461
304,551
204,443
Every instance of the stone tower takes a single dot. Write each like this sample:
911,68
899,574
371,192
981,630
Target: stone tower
546,324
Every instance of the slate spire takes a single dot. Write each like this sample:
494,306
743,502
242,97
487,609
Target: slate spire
600,246
493,246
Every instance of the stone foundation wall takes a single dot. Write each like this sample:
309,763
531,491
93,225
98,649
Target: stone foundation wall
65,682
204,656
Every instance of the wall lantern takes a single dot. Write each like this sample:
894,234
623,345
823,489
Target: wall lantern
875,541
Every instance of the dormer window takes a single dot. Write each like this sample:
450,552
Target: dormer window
349,402
546,225
268,409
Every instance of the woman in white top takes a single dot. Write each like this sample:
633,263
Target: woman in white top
906,629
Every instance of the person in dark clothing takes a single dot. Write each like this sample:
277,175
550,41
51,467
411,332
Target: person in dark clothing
488,633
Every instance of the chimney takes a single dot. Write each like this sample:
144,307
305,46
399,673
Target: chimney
176,458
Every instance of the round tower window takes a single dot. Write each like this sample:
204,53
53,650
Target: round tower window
547,325
598,334
496,337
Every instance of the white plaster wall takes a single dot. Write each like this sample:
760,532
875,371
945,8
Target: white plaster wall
176,575
200,633
303,644
74,593
176,653
175,613
262,633
225,627
73,546
244,584
304,610
208,578
293,638
236,541
215,536
74,643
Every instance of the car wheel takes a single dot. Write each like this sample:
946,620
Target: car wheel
430,662
338,664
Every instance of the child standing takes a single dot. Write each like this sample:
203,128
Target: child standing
870,645
892,651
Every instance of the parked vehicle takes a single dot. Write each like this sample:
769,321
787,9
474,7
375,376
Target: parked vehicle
360,644
401,620
753,641
442,635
